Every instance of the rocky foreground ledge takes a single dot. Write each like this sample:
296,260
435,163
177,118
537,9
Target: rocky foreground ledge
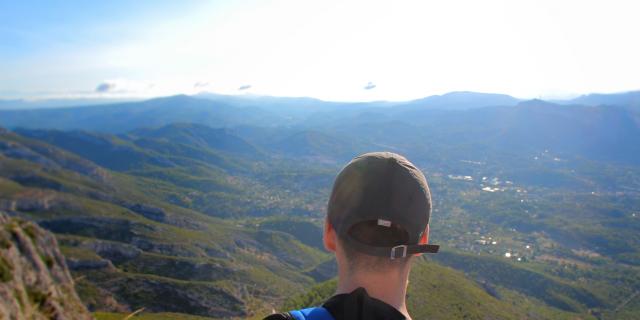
34,280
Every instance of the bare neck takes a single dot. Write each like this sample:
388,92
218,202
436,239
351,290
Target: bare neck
390,287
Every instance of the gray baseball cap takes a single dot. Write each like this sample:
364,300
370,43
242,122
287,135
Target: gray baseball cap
388,190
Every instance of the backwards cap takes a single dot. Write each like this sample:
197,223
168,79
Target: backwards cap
386,188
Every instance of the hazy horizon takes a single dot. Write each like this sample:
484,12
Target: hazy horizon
62,102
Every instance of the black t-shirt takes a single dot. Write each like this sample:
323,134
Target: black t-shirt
357,305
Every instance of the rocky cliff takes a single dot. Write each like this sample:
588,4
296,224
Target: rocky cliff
34,280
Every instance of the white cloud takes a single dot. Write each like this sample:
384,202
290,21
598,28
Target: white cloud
201,85
125,87
105,87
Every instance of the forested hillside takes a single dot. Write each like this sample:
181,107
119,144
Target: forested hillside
213,206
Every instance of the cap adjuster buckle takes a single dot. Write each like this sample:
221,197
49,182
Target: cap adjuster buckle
404,251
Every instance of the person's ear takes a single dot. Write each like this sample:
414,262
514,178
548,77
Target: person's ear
329,236
424,239
425,236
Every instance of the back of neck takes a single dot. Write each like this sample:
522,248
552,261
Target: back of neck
391,288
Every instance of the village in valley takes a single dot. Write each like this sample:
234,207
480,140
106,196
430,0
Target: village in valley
476,189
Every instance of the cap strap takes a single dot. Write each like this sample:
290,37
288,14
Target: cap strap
403,250
399,251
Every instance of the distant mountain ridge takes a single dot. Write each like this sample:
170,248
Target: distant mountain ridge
631,98
198,135
462,100
122,117
23,104
229,111
243,125
451,100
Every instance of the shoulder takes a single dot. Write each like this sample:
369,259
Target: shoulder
279,316
317,313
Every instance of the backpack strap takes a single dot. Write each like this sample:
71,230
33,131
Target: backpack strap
315,313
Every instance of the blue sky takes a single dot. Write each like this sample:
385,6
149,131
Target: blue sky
334,50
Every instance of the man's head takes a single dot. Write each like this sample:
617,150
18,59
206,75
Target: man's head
378,213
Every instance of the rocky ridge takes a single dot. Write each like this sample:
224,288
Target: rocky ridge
35,282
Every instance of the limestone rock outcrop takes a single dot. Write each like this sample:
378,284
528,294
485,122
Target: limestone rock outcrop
35,282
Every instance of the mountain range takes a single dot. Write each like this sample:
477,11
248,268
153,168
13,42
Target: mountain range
213,205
